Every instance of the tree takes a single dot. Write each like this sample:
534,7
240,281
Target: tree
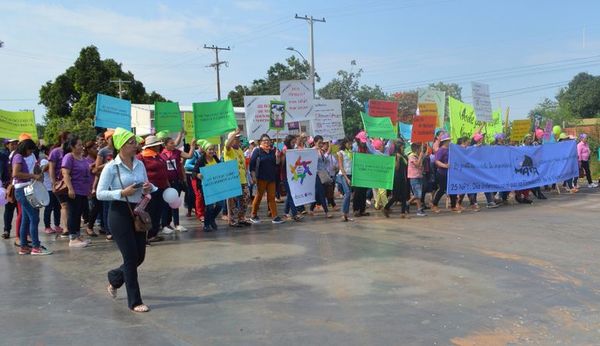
581,98
294,69
553,110
407,104
70,99
347,88
451,89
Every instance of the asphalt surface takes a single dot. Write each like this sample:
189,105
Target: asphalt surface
516,275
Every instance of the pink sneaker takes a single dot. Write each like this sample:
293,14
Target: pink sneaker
58,229
48,230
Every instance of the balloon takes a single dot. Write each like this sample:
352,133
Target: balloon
539,133
170,195
556,130
2,193
3,201
176,204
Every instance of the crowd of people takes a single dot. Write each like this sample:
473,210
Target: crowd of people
99,183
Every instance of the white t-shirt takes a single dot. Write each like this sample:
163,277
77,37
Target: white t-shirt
47,182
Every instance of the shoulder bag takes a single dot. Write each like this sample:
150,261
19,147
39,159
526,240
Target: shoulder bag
141,219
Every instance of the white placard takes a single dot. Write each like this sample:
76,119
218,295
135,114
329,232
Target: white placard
482,102
257,117
301,168
328,120
298,95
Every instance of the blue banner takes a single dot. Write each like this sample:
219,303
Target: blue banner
405,130
508,168
220,181
112,112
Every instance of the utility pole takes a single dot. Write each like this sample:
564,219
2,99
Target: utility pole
217,66
120,82
311,21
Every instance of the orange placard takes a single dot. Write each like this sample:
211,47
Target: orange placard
423,129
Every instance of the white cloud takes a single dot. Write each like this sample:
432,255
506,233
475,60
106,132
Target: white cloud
167,34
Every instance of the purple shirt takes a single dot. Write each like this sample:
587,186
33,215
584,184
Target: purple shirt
81,175
442,156
19,159
56,156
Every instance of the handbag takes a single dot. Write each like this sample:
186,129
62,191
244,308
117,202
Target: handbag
324,177
141,219
60,187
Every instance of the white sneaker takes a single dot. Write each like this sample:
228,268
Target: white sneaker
593,185
167,230
180,228
76,243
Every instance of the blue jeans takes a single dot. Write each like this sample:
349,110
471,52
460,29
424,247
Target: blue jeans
347,191
289,201
30,220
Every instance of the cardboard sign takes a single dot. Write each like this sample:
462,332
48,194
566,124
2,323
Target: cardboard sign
423,129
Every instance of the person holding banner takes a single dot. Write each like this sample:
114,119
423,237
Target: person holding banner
288,143
359,203
263,166
237,206
344,177
441,162
118,183
415,174
172,156
156,170
211,210
400,191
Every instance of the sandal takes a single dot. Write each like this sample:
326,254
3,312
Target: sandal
111,291
5,235
91,233
141,308
109,237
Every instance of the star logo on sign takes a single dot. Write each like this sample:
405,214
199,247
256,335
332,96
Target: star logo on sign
300,170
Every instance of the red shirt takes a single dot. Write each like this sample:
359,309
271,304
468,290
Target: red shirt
156,168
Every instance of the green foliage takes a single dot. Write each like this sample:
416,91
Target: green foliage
54,126
70,99
293,70
347,88
407,104
581,98
550,109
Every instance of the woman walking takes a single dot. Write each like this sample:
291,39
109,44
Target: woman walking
583,154
123,181
23,163
344,177
77,174
263,166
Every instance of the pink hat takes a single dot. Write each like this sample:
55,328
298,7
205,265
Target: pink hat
477,137
362,136
539,133
377,144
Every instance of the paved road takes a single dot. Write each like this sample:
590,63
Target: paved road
517,275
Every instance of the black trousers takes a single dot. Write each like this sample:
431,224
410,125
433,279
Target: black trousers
155,208
76,208
359,203
585,165
52,209
399,194
442,181
9,212
132,246
95,210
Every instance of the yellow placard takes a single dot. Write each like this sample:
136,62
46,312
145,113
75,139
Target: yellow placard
428,109
12,124
519,129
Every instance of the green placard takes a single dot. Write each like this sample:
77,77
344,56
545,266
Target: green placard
277,115
373,171
13,124
462,119
167,117
213,118
378,127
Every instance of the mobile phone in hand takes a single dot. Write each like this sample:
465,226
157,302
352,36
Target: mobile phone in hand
138,185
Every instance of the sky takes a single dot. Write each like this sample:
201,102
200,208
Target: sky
525,50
